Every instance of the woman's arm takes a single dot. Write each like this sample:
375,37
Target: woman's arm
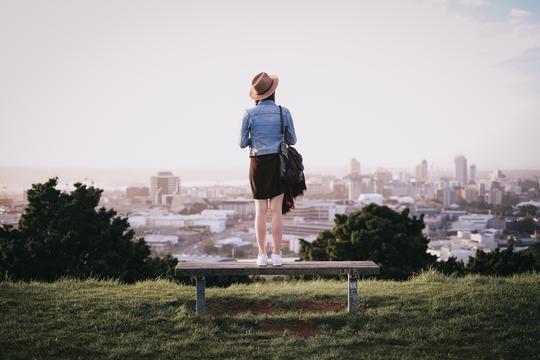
244,131
290,134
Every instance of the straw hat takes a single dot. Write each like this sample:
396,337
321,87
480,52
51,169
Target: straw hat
263,85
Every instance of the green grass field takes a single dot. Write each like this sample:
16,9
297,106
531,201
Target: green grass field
429,316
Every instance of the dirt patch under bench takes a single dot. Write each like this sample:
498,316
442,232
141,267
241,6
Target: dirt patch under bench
301,328
237,306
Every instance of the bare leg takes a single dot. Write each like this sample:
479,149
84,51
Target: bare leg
261,207
277,222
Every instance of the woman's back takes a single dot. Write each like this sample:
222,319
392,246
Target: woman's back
261,128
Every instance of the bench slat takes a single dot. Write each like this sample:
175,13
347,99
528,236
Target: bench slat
294,268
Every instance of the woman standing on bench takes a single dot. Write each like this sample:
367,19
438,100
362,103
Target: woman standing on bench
261,130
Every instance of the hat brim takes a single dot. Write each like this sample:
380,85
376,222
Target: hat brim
255,96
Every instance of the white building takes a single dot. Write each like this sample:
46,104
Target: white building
160,242
214,222
366,199
472,222
486,238
315,210
531,203
456,246
234,241
243,207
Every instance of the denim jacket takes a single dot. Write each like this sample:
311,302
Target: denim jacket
261,128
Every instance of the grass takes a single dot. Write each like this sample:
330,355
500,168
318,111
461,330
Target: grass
429,316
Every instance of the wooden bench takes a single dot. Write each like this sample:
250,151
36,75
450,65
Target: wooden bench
353,269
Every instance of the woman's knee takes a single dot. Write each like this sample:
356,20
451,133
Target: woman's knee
276,204
261,207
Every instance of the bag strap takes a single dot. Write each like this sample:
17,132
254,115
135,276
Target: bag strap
281,119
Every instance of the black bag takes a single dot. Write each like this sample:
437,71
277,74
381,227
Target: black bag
291,163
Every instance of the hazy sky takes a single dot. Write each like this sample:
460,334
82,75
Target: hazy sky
165,83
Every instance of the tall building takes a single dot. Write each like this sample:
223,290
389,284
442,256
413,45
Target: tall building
422,171
494,196
165,183
355,187
460,172
472,174
382,177
447,196
355,167
339,189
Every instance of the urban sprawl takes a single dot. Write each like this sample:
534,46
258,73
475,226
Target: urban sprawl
463,212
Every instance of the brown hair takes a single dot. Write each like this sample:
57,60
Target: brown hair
269,97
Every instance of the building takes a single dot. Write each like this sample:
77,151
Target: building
355,167
160,242
366,199
315,188
10,219
339,189
422,171
447,196
234,242
487,238
243,207
472,174
460,170
316,211
470,195
472,222
460,247
494,196
165,183
213,222
302,228
133,192
355,186
383,175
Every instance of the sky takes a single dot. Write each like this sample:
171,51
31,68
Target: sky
164,84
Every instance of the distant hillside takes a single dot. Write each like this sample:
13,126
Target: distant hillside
430,316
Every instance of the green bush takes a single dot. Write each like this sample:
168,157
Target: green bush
391,239
62,234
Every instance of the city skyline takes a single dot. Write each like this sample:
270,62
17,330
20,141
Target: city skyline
155,89
115,178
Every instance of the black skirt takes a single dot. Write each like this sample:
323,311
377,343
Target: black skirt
264,176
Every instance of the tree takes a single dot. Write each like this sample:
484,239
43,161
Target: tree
527,184
62,234
391,239
452,266
525,225
534,250
528,210
501,263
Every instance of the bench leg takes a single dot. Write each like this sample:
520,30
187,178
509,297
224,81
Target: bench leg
200,305
352,303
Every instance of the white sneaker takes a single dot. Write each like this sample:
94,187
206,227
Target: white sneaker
277,260
262,260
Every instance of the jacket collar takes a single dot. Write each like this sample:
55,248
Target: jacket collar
266,102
